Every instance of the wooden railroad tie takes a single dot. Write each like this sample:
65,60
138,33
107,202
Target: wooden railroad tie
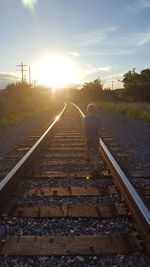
69,210
67,245
71,191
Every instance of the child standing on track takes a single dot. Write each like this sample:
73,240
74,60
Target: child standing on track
92,128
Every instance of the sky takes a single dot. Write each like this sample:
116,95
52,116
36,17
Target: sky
69,42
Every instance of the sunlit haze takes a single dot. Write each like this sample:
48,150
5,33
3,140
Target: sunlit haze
73,41
56,71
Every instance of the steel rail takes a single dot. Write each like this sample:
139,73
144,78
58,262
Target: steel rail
135,204
9,182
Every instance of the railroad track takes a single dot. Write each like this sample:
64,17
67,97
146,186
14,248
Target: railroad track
52,207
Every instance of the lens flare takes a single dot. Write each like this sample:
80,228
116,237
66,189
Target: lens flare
29,3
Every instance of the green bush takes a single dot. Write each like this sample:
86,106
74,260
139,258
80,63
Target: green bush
19,101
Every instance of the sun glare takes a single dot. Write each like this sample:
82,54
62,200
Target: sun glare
29,3
56,71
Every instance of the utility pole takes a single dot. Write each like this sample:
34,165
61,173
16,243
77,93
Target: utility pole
35,82
22,70
112,85
29,75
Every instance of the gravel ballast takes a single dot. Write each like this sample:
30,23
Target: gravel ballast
66,200
12,136
64,182
119,260
132,134
66,226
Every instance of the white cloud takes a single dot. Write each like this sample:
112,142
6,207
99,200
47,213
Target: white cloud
29,3
95,37
102,68
89,72
108,52
114,76
73,54
144,38
138,5
6,78
7,75
133,40
113,80
106,68
122,43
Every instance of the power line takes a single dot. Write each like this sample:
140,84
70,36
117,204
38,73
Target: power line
22,70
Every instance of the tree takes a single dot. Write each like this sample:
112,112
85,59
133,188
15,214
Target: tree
137,85
18,92
92,90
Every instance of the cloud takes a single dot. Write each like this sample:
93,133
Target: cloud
102,68
6,78
133,40
73,54
112,52
138,6
113,80
95,37
29,3
106,68
122,43
89,72
114,76
144,38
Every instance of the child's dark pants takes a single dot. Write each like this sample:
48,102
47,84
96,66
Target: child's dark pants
92,151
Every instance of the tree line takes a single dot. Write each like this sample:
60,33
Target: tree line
136,87
21,96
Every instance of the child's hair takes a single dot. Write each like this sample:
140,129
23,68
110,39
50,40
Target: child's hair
91,108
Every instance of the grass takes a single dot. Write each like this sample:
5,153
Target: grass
9,119
136,110
19,101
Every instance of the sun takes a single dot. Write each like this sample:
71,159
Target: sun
56,71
